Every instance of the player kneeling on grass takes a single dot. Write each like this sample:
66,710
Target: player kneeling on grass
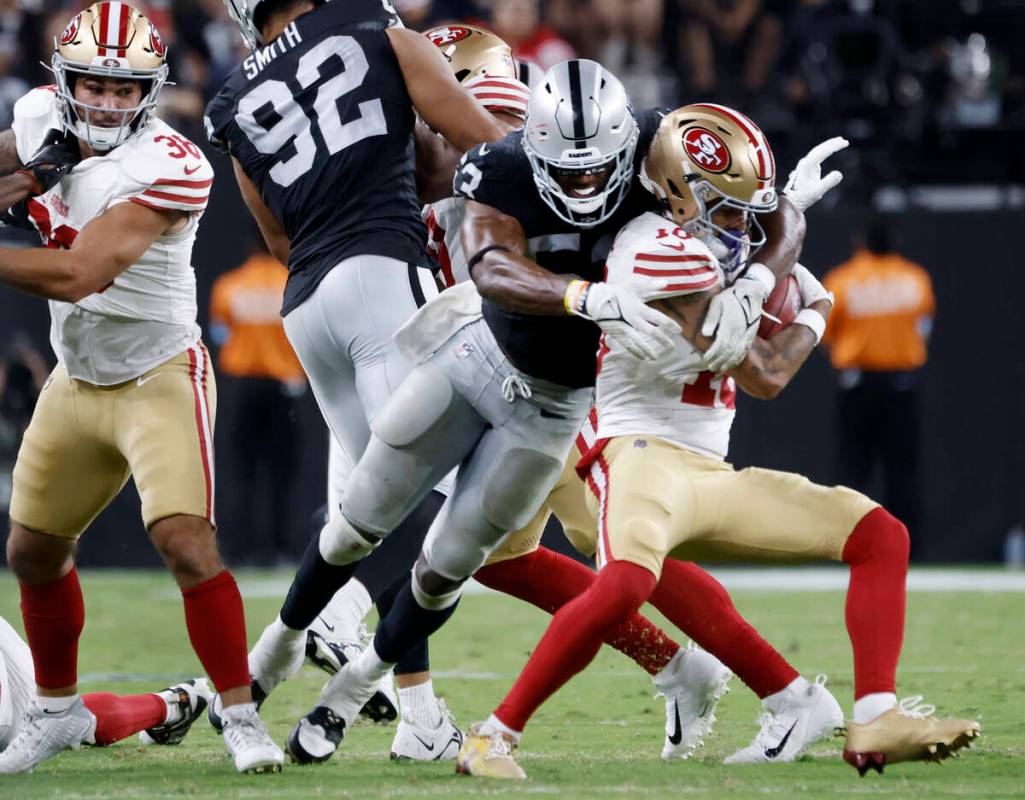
660,488
163,717
116,196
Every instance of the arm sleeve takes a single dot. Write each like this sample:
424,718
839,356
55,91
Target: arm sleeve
485,174
500,94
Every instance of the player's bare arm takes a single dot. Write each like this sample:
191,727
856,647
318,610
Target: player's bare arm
784,233
437,97
104,249
277,240
503,274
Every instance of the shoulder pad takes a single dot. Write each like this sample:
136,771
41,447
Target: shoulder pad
484,173
34,114
165,170
220,111
652,246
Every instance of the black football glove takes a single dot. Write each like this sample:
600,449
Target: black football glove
54,159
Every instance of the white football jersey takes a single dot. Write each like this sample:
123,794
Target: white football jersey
672,397
148,313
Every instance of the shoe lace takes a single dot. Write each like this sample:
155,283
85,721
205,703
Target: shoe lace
821,680
774,728
913,707
499,746
30,733
246,729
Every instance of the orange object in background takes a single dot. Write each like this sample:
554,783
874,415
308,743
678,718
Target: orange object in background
245,321
882,315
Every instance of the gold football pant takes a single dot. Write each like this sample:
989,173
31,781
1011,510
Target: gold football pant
653,499
84,441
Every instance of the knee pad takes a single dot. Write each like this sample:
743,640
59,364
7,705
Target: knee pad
417,405
340,543
516,486
434,591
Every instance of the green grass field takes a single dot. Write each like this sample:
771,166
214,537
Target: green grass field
600,737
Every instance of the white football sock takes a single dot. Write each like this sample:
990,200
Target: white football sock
348,608
56,704
419,705
870,706
494,725
774,702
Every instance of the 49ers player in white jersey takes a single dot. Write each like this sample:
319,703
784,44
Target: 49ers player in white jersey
116,196
661,490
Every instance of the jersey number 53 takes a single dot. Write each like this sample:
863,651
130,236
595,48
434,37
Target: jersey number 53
292,124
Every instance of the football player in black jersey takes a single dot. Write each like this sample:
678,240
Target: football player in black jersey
319,122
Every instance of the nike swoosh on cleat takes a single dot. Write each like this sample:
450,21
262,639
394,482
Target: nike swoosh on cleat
677,735
772,752
430,747
324,623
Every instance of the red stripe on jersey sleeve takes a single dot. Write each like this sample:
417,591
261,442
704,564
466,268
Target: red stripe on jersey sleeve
691,287
669,259
184,184
666,272
176,198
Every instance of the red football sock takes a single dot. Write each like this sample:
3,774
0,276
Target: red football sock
701,607
54,615
877,551
216,622
549,580
119,717
574,637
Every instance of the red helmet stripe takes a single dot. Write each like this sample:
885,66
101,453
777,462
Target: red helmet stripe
104,28
126,14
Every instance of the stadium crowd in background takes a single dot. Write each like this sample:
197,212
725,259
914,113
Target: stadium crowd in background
941,74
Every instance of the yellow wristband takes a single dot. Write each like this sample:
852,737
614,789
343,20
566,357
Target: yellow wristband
575,296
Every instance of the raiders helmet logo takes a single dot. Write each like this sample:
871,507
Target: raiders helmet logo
156,43
449,35
706,150
70,32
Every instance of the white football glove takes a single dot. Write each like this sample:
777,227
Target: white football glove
811,287
806,185
619,310
733,317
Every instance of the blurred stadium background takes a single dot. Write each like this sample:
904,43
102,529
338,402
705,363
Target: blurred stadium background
931,96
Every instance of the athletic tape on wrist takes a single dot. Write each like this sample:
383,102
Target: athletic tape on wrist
812,319
575,297
761,273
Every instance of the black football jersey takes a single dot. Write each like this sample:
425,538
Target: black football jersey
321,122
560,349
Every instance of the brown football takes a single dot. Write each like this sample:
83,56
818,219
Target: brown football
784,303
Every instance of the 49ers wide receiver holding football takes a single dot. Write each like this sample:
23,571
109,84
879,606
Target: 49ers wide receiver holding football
116,196
661,490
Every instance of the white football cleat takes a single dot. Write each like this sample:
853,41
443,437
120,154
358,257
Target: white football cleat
692,684
43,733
418,743
248,742
792,723
331,655
316,736
188,700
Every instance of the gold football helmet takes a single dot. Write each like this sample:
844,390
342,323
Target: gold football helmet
108,40
705,157
473,51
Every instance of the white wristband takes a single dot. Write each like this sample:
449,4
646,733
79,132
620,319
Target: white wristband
761,273
811,318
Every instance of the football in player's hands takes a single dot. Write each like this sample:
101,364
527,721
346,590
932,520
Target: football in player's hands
784,304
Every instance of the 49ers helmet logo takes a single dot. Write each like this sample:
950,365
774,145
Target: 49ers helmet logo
449,35
70,32
707,150
156,43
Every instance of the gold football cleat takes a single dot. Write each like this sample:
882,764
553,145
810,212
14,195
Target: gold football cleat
907,732
488,756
